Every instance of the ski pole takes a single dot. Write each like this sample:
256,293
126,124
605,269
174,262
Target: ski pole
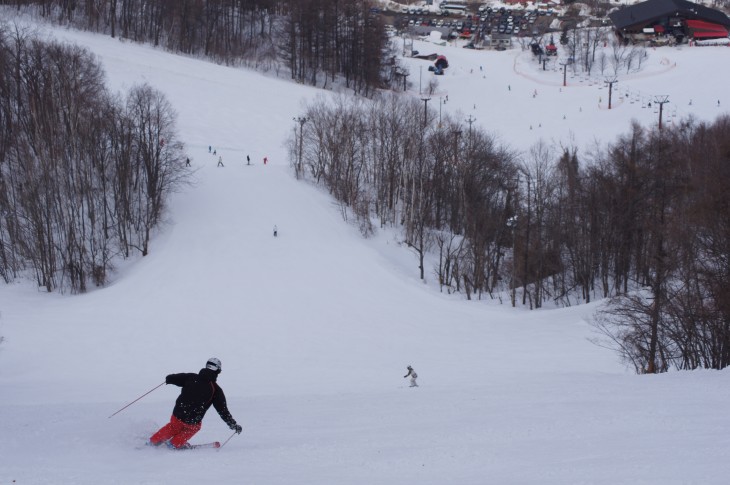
226,441
140,397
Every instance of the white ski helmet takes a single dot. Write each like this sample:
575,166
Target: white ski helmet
213,364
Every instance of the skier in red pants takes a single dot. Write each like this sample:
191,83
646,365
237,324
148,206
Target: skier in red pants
199,392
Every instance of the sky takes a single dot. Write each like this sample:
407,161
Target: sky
315,327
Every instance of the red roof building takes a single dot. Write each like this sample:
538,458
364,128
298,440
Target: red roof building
699,29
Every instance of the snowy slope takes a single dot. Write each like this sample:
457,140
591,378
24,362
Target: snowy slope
315,328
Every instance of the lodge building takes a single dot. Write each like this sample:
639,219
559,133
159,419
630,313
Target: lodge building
669,20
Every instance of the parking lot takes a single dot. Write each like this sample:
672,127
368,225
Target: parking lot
477,22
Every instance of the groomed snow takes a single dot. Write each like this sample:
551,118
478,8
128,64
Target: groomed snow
316,327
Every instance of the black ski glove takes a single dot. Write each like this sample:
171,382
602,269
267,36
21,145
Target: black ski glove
236,427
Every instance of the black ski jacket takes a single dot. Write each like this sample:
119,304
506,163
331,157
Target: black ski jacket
199,391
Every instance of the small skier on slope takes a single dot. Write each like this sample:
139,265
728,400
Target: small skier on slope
413,375
198,392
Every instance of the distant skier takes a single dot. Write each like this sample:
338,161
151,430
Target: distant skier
187,162
413,376
220,161
248,160
198,392
209,148
265,160
276,231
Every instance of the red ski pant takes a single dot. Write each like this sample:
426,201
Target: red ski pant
176,431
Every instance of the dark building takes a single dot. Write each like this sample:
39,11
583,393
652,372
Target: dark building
677,19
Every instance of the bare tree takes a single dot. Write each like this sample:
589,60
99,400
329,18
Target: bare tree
70,157
159,157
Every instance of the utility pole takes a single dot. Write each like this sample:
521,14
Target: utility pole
301,120
471,121
404,74
661,100
405,44
425,111
565,73
512,224
420,75
610,83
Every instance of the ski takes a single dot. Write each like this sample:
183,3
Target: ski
214,444
188,446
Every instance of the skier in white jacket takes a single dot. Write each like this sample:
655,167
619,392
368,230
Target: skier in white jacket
413,376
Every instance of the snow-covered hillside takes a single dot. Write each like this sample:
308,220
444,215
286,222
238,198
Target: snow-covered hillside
315,328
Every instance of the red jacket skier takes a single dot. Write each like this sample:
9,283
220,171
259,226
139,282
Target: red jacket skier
199,392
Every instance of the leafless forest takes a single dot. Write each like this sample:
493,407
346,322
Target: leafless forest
644,221
317,41
84,176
